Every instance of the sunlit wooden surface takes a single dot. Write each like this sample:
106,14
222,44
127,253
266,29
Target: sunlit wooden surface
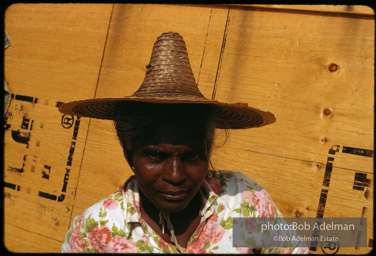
312,66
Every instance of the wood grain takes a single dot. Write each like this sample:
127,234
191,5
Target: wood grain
312,66
55,56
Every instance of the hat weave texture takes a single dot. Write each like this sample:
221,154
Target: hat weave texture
169,80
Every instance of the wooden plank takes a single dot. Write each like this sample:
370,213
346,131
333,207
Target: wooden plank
274,59
42,156
327,8
207,76
19,240
343,201
279,61
54,52
289,77
55,57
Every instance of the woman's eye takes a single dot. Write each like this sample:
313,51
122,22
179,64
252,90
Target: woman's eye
192,156
155,155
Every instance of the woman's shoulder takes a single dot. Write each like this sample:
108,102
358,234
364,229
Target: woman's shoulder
224,180
106,205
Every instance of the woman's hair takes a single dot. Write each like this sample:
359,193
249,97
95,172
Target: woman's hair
131,128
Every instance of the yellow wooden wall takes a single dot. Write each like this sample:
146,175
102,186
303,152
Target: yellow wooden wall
312,66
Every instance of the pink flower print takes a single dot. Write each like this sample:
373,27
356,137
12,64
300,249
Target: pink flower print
164,244
77,243
196,250
265,205
249,197
110,204
99,238
215,184
122,245
285,251
217,234
245,250
205,232
261,200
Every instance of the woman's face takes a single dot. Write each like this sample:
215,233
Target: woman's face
170,164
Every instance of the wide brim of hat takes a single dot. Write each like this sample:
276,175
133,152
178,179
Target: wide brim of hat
224,115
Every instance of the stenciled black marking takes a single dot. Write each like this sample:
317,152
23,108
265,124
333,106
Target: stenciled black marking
47,195
67,171
12,186
319,214
358,151
21,137
327,174
19,170
26,98
25,123
75,132
67,121
13,169
322,203
6,126
329,166
329,247
360,181
71,151
18,136
46,172
24,138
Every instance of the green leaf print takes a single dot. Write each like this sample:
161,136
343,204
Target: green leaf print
114,229
219,208
92,250
143,247
212,199
90,224
118,197
227,224
103,223
121,233
102,213
130,209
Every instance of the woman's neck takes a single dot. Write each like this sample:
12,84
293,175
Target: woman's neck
181,221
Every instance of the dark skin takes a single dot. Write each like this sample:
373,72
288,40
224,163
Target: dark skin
185,223
170,164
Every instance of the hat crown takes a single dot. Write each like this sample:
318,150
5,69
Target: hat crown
169,74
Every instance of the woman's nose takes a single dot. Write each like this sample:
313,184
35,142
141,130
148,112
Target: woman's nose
174,173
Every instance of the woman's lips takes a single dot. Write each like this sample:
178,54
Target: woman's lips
174,196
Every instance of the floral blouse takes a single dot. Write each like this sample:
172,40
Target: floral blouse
114,224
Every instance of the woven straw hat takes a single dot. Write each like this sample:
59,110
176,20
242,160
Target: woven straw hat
169,81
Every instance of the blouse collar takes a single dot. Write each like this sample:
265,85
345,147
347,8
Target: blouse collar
131,197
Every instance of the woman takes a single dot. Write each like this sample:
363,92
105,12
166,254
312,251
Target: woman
173,203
